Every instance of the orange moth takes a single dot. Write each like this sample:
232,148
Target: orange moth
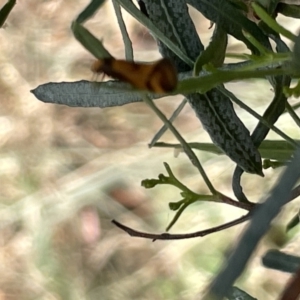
157,77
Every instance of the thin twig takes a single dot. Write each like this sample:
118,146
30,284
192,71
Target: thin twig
187,149
295,193
257,116
292,113
243,205
168,236
164,128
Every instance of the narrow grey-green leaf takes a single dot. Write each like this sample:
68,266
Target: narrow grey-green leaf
271,115
125,35
139,16
88,94
173,19
217,115
92,94
214,109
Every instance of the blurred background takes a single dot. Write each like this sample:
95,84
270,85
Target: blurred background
66,172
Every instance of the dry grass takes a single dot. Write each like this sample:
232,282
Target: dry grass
66,172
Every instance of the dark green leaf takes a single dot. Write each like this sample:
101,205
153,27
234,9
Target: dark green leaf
89,11
215,51
277,260
293,222
269,5
232,20
176,205
292,11
5,10
89,42
296,53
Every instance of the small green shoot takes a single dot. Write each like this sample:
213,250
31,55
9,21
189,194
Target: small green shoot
189,197
262,49
274,164
292,91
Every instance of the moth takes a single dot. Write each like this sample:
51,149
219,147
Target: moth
158,77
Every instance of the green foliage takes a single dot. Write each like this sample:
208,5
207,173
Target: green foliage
229,134
189,197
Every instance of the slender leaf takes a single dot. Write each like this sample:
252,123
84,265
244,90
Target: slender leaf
232,19
293,222
281,261
125,36
89,11
296,53
5,11
139,16
87,94
292,11
88,41
270,149
215,51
